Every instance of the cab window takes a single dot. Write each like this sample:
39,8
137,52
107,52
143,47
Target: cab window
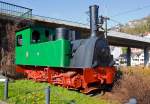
35,37
48,35
19,40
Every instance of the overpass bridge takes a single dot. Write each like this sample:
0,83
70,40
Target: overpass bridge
114,38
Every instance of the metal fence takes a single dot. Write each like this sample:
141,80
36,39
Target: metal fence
55,20
23,95
15,10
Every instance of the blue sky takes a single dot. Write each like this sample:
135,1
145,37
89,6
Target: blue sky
75,10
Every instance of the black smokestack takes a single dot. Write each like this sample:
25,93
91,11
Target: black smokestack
94,19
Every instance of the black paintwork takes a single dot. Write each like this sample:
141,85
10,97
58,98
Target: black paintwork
91,52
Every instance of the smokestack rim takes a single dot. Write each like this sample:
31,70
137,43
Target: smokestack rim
94,6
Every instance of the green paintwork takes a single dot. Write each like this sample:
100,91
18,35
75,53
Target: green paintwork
45,53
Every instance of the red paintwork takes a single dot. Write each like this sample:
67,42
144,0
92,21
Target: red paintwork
83,79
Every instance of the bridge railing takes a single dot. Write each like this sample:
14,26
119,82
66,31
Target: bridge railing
50,19
15,10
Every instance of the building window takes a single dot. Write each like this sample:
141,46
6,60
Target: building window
142,59
35,37
19,40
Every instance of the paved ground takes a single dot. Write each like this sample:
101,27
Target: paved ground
1,102
1,76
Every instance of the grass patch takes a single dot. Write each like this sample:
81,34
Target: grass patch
29,92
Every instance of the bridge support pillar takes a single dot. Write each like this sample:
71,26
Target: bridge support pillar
128,56
146,56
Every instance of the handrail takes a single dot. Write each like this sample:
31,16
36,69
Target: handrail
14,10
15,5
23,12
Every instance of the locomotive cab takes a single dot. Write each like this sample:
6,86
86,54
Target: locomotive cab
34,44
